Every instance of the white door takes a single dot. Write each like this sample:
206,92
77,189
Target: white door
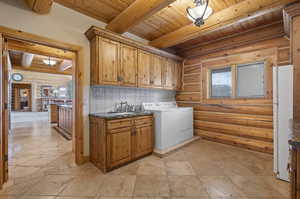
283,112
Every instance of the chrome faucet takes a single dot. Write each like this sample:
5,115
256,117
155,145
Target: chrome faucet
124,106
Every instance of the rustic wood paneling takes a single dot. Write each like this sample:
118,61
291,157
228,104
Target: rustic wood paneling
246,123
243,109
190,79
103,10
188,97
249,37
284,56
260,121
256,145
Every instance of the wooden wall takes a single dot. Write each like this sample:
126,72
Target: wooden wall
246,123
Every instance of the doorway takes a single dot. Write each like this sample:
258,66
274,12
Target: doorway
40,85
36,43
21,97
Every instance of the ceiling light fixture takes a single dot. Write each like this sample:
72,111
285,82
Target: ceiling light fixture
200,12
49,62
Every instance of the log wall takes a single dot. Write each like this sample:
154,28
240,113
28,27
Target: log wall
247,123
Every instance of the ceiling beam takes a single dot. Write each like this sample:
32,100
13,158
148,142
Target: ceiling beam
239,12
42,69
64,65
27,59
39,49
40,6
135,13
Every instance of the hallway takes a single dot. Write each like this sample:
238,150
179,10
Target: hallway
33,144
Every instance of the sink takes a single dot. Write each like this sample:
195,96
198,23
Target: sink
124,113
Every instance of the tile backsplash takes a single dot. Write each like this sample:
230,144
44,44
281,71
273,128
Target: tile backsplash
103,99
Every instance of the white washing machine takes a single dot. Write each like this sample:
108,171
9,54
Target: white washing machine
173,125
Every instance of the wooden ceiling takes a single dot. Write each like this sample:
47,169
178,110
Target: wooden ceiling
22,60
165,24
274,16
103,10
172,18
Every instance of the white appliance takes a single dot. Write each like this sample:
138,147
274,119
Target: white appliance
283,116
173,125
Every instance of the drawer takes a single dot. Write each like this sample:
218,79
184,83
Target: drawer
116,124
143,121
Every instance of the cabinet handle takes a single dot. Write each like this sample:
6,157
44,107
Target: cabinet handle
133,131
120,79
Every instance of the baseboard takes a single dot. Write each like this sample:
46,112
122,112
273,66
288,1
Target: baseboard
163,153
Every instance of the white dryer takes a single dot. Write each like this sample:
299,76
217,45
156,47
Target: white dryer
173,125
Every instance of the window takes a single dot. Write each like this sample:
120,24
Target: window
250,80
221,83
237,81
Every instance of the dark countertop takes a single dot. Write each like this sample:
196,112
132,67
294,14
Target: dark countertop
295,141
295,138
111,116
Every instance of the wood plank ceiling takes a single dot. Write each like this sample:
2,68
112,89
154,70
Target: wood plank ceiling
36,63
103,10
173,17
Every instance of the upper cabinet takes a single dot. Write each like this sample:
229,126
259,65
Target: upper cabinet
128,65
108,62
156,71
144,66
119,61
172,74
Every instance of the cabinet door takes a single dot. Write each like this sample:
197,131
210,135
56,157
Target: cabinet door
119,146
128,66
177,76
144,141
109,59
144,65
168,74
156,71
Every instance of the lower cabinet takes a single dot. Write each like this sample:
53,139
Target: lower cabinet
65,119
294,169
119,141
144,141
119,144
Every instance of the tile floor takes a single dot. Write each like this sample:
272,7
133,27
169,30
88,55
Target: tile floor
42,167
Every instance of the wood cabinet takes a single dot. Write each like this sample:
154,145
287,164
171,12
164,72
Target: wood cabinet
294,169
172,75
108,62
116,142
128,66
119,61
53,113
113,63
65,120
119,143
144,65
156,73
143,140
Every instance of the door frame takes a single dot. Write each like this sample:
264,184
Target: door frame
30,96
77,74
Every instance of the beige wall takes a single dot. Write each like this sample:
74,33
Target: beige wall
61,24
